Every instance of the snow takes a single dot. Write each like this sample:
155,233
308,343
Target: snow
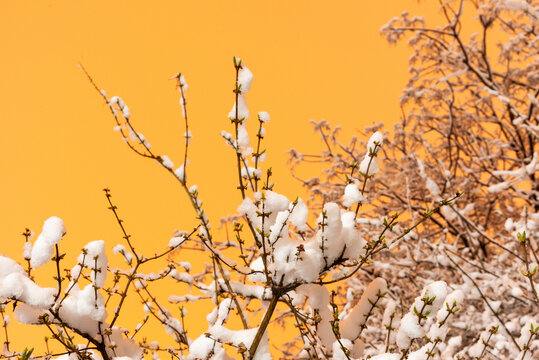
375,142
409,329
121,104
421,354
329,238
455,298
165,160
82,309
386,357
176,241
183,83
338,353
352,195
245,79
27,314
496,188
516,5
182,277
437,289
18,286
276,202
201,348
43,249
533,166
243,111
354,243
263,116
369,165
120,249
96,260
251,172
299,215
525,332
354,323
9,266
117,100
452,344
260,157
180,173
243,136
319,302
125,347
53,230
391,310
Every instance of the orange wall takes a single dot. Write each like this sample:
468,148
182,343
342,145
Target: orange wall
311,60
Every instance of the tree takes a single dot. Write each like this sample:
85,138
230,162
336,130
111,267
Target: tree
469,124
329,264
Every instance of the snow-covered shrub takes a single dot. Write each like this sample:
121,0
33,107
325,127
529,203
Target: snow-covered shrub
283,265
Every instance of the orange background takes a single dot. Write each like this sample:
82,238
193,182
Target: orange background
310,59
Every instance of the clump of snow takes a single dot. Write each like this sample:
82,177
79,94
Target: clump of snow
27,314
329,239
263,116
165,160
354,323
375,142
421,354
319,302
14,284
369,165
338,352
298,217
9,266
390,320
525,331
43,249
354,243
183,84
409,329
352,195
120,249
18,286
83,309
243,111
94,258
251,173
201,348
453,299
245,79
121,104
410,326
515,5
27,253
176,240
180,173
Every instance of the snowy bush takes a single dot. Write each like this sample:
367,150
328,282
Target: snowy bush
418,246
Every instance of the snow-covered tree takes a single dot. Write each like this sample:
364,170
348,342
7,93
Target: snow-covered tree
469,125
